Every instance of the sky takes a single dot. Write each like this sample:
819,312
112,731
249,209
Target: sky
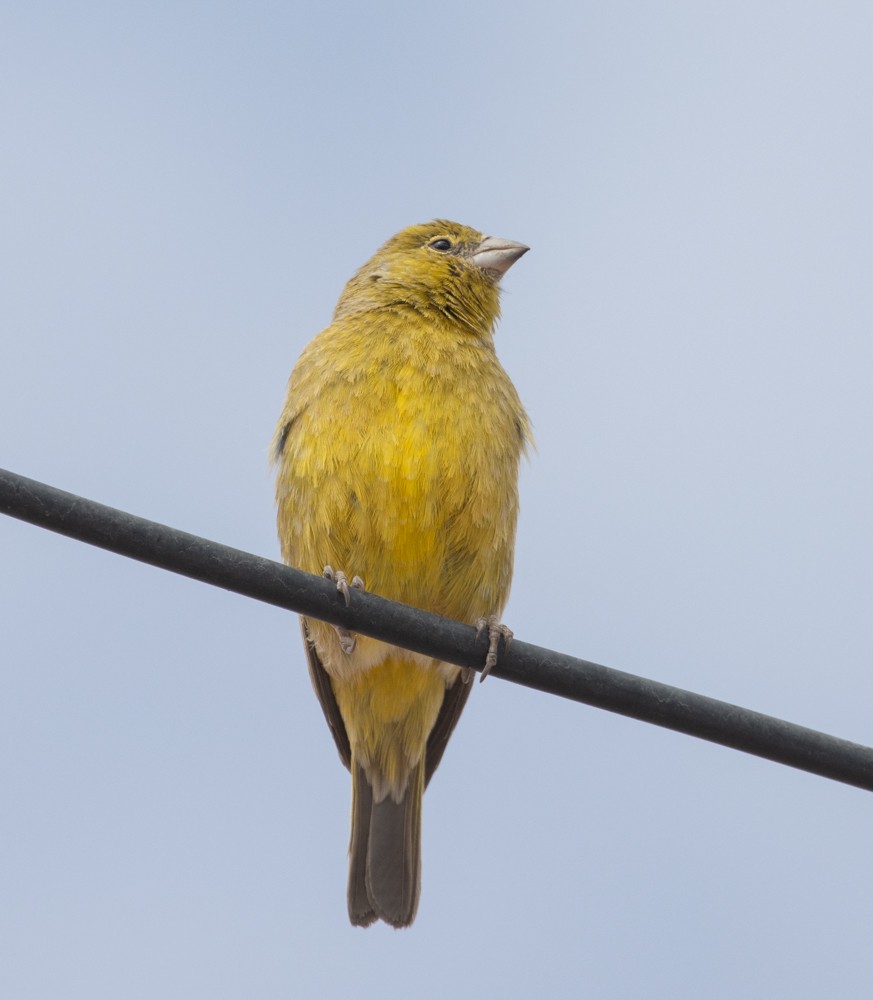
186,188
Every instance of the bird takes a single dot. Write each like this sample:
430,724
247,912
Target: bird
397,455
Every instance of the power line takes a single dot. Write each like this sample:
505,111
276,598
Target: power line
532,666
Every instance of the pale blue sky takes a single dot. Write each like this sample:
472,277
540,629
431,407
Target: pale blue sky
186,187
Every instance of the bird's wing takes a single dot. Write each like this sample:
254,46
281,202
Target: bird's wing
450,711
321,683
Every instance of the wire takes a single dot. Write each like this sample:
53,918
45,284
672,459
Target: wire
441,638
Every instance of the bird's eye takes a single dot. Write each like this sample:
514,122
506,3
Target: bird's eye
442,245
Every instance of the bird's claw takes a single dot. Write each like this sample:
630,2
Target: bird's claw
342,583
347,639
496,632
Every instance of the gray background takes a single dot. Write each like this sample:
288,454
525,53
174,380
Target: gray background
185,189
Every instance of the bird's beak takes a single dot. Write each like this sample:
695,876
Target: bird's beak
496,256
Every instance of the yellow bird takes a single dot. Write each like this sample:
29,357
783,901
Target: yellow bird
398,451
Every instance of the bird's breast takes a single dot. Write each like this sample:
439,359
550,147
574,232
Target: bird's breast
402,469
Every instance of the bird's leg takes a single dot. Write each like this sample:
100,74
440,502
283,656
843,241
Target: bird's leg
347,639
496,632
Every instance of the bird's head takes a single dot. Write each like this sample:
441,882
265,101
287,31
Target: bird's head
438,268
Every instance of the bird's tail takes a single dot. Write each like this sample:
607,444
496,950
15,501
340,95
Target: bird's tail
385,852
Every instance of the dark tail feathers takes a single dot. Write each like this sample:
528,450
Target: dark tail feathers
385,852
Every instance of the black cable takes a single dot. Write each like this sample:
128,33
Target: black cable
533,666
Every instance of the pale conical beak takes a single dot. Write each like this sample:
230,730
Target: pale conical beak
496,256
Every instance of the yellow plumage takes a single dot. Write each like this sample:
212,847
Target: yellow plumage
398,451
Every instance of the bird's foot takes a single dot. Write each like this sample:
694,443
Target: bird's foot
342,583
496,632
347,639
